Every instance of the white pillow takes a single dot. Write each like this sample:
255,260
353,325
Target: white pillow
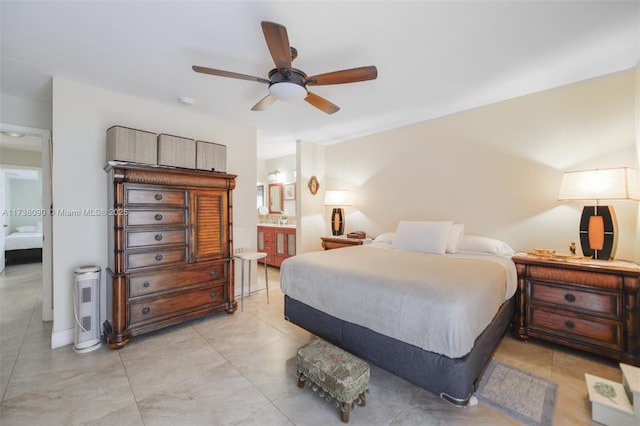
386,238
423,237
29,228
456,232
484,245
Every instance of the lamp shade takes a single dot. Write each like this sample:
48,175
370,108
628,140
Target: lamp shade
337,198
602,184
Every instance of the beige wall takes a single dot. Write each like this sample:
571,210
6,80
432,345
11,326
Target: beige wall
497,169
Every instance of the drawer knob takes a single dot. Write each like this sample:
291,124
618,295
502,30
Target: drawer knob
158,197
569,297
158,237
158,216
145,311
213,272
569,324
146,284
213,294
158,257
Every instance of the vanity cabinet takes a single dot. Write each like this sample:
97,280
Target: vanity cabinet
169,248
278,242
592,306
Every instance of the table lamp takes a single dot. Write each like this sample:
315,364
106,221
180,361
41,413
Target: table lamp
598,225
338,199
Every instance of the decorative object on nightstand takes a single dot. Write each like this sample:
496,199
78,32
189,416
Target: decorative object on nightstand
598,225
338,199
330,243
591,306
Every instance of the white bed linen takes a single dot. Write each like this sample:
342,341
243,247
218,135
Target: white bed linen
23,240
440,303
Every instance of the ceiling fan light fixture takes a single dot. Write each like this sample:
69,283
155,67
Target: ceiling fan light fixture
288,91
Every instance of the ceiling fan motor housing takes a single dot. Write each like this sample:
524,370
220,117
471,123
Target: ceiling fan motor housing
291,88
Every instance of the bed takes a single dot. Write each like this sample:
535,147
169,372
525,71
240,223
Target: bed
24,246
433,319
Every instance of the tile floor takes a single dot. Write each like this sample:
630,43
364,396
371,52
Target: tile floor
227,369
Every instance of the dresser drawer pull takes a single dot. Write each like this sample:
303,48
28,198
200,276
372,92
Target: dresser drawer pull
213,272
158,237
145,311
158,257
146,284
569,297
213,294
158,197
158,216
569,324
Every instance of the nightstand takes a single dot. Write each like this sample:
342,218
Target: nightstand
329,243
592,306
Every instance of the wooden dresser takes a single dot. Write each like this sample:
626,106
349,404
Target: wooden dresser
170,250
591,306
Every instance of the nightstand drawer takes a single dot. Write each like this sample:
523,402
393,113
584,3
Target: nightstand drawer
591,301
603,333
596,279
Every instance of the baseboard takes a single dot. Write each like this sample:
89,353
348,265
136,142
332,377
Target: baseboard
62,338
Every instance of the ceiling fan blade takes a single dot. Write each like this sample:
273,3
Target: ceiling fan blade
345,76
278,44
264,103
230,74
321,103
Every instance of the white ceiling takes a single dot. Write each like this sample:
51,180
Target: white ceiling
433,57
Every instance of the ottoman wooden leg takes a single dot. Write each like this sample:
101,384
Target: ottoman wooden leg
362,400
345,412
301,380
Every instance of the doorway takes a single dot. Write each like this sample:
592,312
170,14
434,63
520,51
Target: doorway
23,155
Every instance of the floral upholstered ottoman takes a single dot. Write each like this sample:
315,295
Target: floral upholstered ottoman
335,373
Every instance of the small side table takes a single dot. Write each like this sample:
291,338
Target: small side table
329,243
249,256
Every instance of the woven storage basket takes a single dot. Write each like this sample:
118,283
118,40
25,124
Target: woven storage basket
211,156
176,151
125,144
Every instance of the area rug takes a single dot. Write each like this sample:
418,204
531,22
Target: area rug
526,397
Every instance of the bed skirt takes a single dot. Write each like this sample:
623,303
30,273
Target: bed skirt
454,379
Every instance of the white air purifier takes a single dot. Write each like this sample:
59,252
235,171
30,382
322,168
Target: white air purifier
86,308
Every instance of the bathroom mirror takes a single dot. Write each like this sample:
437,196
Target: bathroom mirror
275,197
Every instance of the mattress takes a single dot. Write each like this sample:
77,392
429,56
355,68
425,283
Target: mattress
23,240
439,303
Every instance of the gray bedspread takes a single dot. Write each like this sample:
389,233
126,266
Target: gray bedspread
439,303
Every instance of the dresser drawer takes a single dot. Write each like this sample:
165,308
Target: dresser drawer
150,196
159,257
155,238
603,333
590,301
151,308
155,217
140,285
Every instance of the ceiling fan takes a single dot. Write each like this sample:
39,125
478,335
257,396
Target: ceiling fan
290,84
